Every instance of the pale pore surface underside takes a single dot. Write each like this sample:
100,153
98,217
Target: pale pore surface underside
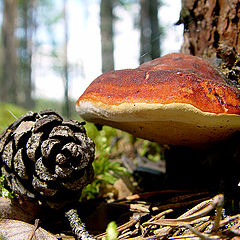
174,123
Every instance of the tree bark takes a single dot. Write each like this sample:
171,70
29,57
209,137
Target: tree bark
9,59
28,8
207,24
155,29
66,108
106,26
150,31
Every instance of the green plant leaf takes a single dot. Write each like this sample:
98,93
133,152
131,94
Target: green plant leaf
111,231
3,191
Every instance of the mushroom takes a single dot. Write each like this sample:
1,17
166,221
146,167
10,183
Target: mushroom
177,99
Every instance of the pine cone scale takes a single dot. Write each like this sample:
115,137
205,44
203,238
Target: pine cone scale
33,144
49,146
24,127
19,165
4,138
43,172
61,159
43,188
63,172
61,132
7,154
47,122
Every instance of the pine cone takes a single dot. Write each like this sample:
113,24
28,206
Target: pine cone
46,158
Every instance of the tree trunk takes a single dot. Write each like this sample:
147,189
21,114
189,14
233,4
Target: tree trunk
208,24
150,31
9,58
106,25
155,29
26,44
66,108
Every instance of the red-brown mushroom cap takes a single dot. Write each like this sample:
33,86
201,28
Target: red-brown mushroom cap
176,99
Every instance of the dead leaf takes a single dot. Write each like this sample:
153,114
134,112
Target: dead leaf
18,230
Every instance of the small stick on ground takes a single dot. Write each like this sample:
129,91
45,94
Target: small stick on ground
78,227
219,208
199,234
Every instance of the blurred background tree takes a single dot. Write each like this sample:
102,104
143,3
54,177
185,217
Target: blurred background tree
21,31
66,107
9,52
26,19
150,30
106,26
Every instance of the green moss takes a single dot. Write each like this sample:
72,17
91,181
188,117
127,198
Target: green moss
106,171
151,150
3,191
105,135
